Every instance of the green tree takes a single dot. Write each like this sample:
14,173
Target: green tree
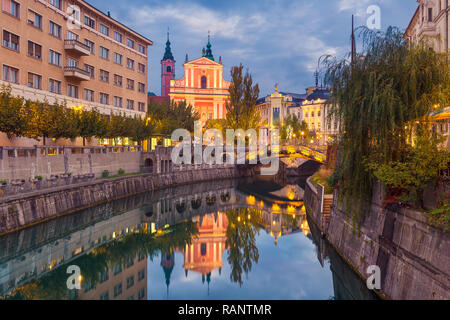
141,130
14,116
88,124
168,116
423,162
241,108
377,99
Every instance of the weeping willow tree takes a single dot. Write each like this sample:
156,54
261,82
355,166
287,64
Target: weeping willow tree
379,99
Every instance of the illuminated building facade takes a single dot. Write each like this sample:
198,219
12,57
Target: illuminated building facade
309,107
203,86
276,107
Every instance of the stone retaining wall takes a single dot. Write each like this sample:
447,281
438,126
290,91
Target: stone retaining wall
413,256
20,211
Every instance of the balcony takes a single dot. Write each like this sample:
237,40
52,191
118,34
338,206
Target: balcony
77,47
76,73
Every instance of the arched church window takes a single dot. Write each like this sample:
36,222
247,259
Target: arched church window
203,82
169,69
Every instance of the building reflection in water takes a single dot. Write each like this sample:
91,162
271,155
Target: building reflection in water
115,250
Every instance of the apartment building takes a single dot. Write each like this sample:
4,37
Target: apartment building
430,24
68,50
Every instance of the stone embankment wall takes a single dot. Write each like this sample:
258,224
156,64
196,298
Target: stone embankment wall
27,163
413,256
20,211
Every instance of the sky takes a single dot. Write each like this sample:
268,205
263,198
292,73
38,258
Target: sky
277,41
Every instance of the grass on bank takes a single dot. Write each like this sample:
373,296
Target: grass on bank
121,173
324,177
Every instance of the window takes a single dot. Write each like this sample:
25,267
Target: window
118,102
56,3
54,58
10,40
203,249
141,275
55,29
88,95
130,282
203,82
34,19
117,58
104,276
117,80
90,69
104,98
430,14
72,63
141,87
129,262
141,106
130,84
104,76
104,53
130,63
130,104
71,36
118,290
104,30
91,45
88,286
89,21
141,68
130,43
118,37
34,81
141,49
72,91
54,86
12,7
141,294
34,50
10,74
104,296
169,69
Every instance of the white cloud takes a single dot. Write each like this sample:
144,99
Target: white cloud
196,19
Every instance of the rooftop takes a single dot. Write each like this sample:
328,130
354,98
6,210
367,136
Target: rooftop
108,17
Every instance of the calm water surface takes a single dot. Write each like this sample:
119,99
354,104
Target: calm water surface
222,240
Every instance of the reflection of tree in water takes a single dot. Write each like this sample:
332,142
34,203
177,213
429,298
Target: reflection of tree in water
52,286
244,225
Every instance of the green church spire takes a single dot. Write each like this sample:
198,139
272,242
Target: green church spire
168,54
208,53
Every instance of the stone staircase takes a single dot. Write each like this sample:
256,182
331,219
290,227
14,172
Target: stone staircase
327,203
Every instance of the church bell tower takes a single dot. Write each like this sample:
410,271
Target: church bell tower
167,69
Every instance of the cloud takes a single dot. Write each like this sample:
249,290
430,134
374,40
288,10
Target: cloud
278,41
196,19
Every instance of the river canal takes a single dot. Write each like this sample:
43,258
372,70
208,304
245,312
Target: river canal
220,240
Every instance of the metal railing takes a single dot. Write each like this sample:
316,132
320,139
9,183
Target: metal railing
74,42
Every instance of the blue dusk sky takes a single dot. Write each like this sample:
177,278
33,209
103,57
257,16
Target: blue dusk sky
279,41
